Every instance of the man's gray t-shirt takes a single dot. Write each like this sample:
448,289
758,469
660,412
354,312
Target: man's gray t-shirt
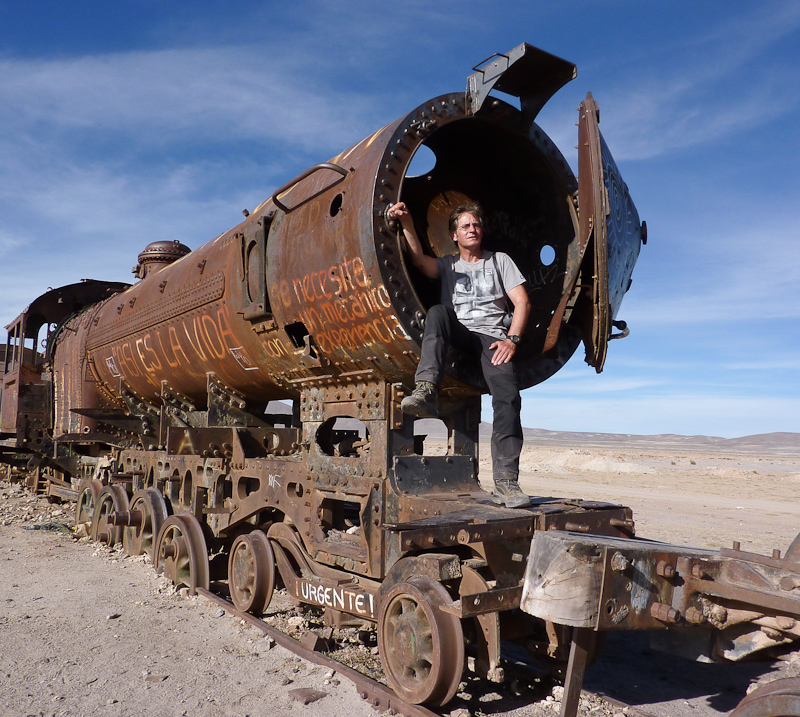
473,291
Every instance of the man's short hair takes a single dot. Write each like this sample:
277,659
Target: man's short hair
474,209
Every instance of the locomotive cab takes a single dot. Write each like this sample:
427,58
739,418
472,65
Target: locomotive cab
22,388
28,397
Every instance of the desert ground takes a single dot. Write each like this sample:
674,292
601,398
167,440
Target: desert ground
86,630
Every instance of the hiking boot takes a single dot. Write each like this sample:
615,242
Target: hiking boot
507,491
423,401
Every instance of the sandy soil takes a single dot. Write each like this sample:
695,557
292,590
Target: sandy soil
696,498
86,630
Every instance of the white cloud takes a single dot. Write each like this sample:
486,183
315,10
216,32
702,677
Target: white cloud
63,220
9,242
717,84
772,363
158,97
750,271
588,383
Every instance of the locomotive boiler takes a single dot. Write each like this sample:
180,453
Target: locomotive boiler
154,405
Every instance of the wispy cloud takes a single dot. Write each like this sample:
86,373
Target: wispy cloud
772,363
744,272
588,384
704,89
101,155
155,98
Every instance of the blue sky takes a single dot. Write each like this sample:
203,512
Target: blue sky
133,121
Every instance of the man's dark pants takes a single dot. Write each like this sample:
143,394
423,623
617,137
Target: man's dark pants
443,329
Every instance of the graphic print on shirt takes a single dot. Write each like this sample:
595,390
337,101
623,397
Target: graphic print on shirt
473,295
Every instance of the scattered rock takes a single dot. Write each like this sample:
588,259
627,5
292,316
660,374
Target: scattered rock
306,695
264,645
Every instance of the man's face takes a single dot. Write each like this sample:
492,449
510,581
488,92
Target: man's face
468,233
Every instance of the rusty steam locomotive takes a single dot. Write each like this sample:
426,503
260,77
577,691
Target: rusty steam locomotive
152,404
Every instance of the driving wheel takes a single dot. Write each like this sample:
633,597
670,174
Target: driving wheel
780,698
181,553
88,492
147,514
421,647
111,500
251,572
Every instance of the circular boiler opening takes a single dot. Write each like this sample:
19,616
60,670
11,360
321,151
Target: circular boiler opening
524,188
422,162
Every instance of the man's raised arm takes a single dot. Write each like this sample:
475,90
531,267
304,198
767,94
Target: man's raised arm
426,264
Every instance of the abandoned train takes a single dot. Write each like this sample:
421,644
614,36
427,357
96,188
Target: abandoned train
153,404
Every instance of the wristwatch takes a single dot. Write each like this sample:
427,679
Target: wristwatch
513,339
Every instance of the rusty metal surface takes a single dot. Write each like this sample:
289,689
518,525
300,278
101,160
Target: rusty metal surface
421,647
181,553
525,72
609,225
142,524
381,697
780,698
639,584
27,351
262,312
750,601
251,572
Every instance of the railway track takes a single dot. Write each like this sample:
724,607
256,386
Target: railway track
781,697
378,695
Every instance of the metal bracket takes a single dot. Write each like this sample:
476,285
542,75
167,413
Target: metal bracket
299,178
227,407
526,72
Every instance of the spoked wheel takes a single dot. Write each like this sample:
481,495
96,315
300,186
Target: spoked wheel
181,553
251,572
147,514
421,647
88,492
112,499
780,698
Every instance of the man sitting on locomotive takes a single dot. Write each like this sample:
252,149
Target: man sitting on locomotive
471,316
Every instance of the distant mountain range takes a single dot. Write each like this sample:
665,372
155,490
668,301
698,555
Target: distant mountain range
783,444
778,444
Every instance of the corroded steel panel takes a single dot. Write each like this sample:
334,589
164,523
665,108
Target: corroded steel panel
609,220
315,281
